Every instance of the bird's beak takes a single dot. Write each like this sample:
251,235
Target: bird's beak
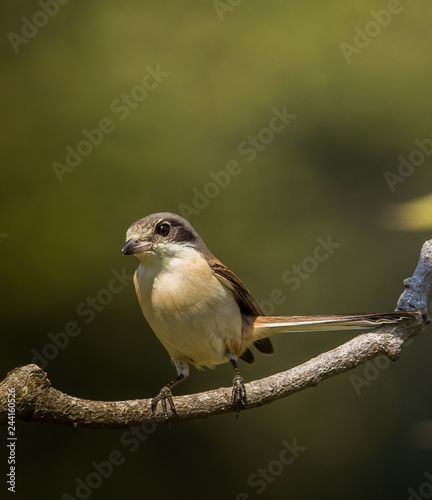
132,247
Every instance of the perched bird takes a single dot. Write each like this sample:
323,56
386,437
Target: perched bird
201,312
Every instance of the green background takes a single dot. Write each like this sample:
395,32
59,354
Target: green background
322,175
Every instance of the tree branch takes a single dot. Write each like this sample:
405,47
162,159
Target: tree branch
37,401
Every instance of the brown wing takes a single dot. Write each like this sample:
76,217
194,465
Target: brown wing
247,304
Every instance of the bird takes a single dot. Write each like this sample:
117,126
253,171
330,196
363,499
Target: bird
200,310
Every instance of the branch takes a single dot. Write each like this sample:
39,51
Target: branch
37,401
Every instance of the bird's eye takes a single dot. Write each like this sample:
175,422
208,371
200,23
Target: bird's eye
164,229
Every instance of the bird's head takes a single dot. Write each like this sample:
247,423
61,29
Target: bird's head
161,235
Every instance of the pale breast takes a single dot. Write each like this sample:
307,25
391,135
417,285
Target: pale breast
194,316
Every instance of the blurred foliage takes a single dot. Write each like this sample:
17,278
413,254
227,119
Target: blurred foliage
325,174
415,215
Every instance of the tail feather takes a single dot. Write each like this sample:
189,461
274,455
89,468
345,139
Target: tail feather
267,326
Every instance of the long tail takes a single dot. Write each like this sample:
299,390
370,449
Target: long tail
267,326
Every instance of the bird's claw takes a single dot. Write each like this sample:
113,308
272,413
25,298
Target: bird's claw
238,397
164,395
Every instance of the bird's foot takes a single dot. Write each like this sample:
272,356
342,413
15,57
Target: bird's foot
238,397
164,395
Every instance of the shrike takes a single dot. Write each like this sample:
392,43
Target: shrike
201,312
